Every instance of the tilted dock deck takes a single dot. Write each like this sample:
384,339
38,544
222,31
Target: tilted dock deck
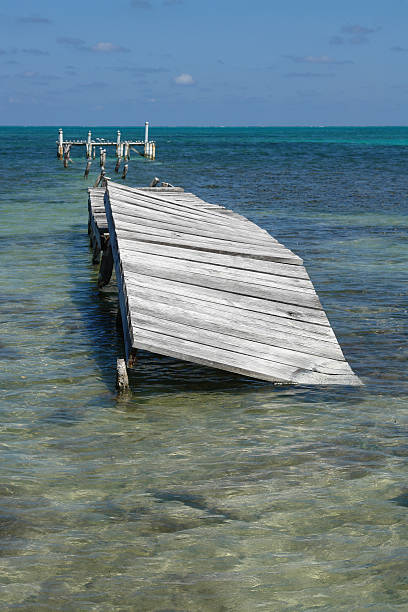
201,283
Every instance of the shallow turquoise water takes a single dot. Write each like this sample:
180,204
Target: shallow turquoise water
205,491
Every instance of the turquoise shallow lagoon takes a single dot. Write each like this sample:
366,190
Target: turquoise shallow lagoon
204,491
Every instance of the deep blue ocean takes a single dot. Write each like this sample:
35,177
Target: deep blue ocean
203,490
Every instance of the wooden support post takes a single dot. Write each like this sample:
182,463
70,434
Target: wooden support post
67,149
88,167
105,271
118,164
127,151
118,145
94,152
122,380
89,145
154,182
60,152
153,150
146,138
95,253
125,170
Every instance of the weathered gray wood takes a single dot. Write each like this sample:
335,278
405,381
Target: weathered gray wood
167,237
160,189
257,350
218,221
234,362
122,295
259,311
222,293
256,296
295,275
280,275
97,223
165,201
122,380
229,321
196,228
222,279
184,201
137,203
87,169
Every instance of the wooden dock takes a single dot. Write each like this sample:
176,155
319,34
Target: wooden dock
201,283
122,147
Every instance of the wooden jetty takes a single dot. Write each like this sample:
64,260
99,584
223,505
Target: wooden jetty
123,147
201,283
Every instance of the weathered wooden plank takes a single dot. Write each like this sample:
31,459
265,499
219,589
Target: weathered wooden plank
174,214
227,321
166,237
232,361
228,305
254,298
220,268
169,206
297,274
122,296
164,190
217,277
166,202
258,350
195,229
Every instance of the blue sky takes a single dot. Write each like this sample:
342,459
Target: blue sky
186,62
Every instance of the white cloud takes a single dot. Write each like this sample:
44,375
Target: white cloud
184,79
107,47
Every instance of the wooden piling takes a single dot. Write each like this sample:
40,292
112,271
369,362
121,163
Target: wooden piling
105,271
88,167
89,145
122,380
118,145
60,151
102,157
125,170
67,149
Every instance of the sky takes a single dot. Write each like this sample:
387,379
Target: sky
204,63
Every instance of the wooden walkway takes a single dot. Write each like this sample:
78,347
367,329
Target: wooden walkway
201,283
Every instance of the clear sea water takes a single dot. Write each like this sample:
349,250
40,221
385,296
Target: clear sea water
205,491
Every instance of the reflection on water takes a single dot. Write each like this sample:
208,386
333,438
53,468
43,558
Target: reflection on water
205,490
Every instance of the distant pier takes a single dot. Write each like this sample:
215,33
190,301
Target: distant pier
122,147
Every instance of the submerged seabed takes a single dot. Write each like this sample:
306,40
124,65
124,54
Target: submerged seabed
205,491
